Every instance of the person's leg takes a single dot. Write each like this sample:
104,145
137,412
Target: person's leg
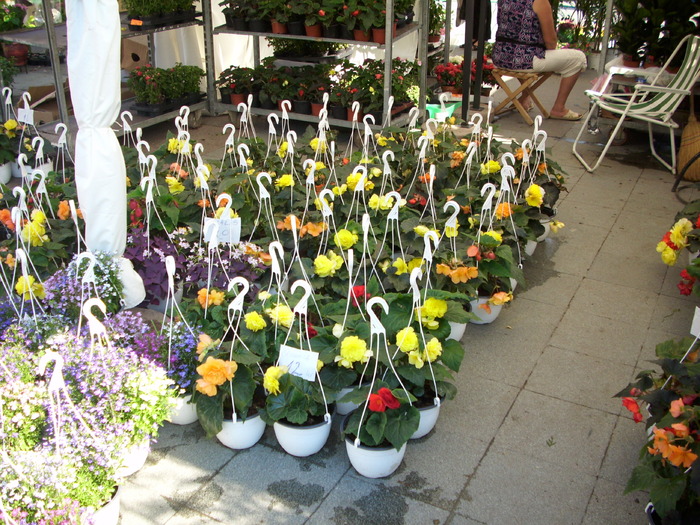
566,85
568,63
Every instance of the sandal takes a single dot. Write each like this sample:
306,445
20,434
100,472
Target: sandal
569,115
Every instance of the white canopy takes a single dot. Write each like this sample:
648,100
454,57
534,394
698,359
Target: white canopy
94,38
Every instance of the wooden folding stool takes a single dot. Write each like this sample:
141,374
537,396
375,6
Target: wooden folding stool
530,82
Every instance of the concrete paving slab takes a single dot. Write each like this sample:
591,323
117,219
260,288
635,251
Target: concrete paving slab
458,519
609,505
547,286
592,335
614,301
515,487
357,502
574,248
625,269
653,337
653,195
672,314
601,191
542,428
141,507
262,483
589,381
572,212
627,440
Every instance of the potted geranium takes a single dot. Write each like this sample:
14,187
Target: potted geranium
668,463
450,76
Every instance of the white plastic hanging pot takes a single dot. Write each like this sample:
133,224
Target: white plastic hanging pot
428,418
457,330
46,167
183,412
374,462
345,408
547,230
240,434
134,459
108,514
5,172
513,284
15,169
484,316
160,307
530,246
302,441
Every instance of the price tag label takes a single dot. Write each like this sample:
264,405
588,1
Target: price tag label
229,230
25,116
695,327
300,363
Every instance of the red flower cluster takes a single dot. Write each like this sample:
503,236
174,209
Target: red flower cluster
382,400
418,199
136,212
632,405
449,74
687,283
359,295
667,239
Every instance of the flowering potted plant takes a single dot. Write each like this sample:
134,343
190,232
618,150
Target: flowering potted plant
668,463
449,75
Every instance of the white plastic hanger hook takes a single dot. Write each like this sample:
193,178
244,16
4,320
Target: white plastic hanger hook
385,160
277,256
431,127
89,275
286,106
236,304
363,177
526,147
368,127
142,145
429,248
201,173
416,275
38,146
264,194
375,325
489,188
184,114
423,142
310,166
243,108
271,126
291,141
537,122
7,93
394,212
126,117
243,152
227,207
542,136
413,117
508,159
27,99
170,270
18,191
61,129
452,219
56,382
326,210
302,306
232,132
355,108
443,99
211,231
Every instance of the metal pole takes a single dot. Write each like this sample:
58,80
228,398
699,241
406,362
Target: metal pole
448,28
466,66
485,4
55,62
209,53
423,54
388,58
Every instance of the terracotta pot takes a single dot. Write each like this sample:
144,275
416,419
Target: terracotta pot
433,38
455,90
237,98
379,34
19,53
360,35
314,30
278,28
316,108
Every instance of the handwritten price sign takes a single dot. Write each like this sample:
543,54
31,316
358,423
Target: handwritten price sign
300,363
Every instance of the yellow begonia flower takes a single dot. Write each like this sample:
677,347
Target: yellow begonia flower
174,145
354,178
28,288
282,150
407,339
433,349
318,203
281,314
220,211
491,166
679,232
534,195
353,350
416,359
434,307
381,140
345,239
216,297
384,202
174,185
285,181
451,231
495,235
327,265
254,321
338,330
374,172
339,190
263,295
668,255
317,144
39,216
271,379
402,267
556,226
34,233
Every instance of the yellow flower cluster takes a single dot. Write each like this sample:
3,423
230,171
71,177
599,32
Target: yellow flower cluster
254,321
27,287
354,178
210,298
10,127
421,230
491,166
382,203
534,195
404,267
282,150
285,181
174,185
353,350
432,310
494,235
345,239
433,350
175,146
318,145
674,241
327,265
34,232
271,379
281,314
451,231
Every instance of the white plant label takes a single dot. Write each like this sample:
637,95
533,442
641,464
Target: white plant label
229,230
442,116
695,327
25,116
300,363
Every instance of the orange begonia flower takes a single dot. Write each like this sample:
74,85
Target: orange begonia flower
457,158
216,297
473,250
519,154
676,407
443,269
485,307
203,297
206,388
464,274
680,430
286,224
681,456
79,213
204,341
217,371
542,167
426,178
203,203
661,441
504,210
10,260
63,210
313,229
6,219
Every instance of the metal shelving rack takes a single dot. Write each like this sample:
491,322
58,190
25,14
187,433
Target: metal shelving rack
216,107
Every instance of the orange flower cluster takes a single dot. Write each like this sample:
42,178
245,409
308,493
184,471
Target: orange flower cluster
312,228
461,274
678,456
503,210
457,158
211,298
63,210
6,219
214,372
177,170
